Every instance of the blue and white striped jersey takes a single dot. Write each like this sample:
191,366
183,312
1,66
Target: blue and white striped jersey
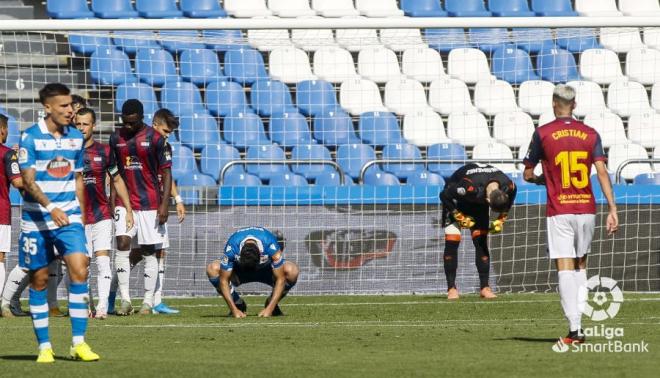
269,248
55,162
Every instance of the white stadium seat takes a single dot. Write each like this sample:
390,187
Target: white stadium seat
469,65
290,8
355,40
609,127
404,96
494,96
641,8
360,95
643,66
379,64
627,97
313,39
268,40
424,128
588,98
514,129
469,129
597,8
621,40
522,153
655,96
449,96
401,39
535,96
652,38
423,64
334,8
546,118
334,64
290,65
378,8
601,66
644,129
619,153
247,8
495,150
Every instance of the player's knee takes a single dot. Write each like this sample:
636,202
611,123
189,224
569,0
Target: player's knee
39,279
291,270
479,235
123,243
213,269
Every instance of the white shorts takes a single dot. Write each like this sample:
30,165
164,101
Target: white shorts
5,238
570,235
99,236
146,227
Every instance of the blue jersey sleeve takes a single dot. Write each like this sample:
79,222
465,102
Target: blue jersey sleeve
229,256
273,250
26,152
80,160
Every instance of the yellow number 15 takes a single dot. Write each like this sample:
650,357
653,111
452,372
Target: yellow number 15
573,172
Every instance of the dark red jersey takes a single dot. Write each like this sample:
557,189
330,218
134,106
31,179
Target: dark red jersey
140,158
567,149
9,170
98,162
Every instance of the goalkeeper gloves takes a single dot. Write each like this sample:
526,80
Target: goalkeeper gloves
497,225
463,220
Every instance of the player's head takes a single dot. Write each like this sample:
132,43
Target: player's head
165,122
56,99
563,100
132,115
85,120
4,128
498,200
78,102
249,256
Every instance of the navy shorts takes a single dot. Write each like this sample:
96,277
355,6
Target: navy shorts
262,275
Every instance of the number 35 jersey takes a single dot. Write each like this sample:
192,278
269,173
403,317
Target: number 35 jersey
567,149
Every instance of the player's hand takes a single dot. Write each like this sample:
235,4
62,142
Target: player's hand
129,220
238,314
180,212
496,226
265,313
463,220
540,180
59,217
163,214
612,223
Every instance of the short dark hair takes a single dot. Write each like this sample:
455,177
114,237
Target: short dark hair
132,106
249,257
52,90
77,99
168,117
4,121
499,200
84,111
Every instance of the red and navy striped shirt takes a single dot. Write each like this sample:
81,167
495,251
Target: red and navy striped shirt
9,170
140,158
97,161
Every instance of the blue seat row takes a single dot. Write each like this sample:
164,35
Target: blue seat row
69,9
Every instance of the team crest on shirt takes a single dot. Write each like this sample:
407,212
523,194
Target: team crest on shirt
22,155
15,169
59,167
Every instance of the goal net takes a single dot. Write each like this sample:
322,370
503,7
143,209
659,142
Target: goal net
292,129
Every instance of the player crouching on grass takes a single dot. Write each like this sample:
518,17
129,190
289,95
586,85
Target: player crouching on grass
253,254
466,199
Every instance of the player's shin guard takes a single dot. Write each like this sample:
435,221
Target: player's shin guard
123,269
104,280
450,258
158,295
482,256
78,298
17,279
568,292
39,310
150,278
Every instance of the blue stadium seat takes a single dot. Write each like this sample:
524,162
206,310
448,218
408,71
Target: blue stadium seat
270,97
288,179
202,9
513,65
423,8
216,156
380,128
155,66
15,197
334,128
68,9
446,151
289,129
131,41
109,66
647,179
489,39
197,130
332,179
381,179
197,183
157,8
244,130
533,40
576,40
313,97
241,179
553,8
181,97
183,161
87,44
557,66
352,157
466,8
245,66
200,66
176,41
226,97
141,91
114,9
425,178
311,152
266,152
14,136
402,151
224,40
445,40
510,8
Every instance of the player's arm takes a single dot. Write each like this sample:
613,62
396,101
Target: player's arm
180,208
534,155
612,222
80,194
225,290
13,169
118,187
164,156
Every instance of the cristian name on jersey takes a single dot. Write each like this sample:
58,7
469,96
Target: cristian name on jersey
269,249
98,161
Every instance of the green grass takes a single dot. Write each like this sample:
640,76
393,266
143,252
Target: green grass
337,336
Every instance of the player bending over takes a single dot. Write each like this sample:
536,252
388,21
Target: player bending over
466,199
51,162
253,254
567,149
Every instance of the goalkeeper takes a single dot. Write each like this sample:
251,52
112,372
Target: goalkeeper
466,199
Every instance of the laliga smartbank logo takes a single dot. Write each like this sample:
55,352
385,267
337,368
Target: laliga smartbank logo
600,299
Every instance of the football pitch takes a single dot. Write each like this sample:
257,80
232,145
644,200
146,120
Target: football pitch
337,336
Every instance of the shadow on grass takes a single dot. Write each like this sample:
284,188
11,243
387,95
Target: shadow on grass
528,339
29,357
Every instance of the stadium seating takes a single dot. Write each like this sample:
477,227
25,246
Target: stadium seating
627,97
244,66
246,8
183,161
546,117
289,129
445,40
143,92
468,64
378,64
86,44
200,66
655,96
196,130
600,66
68,9
399,40
158,8
202,9
514,129
557,66
652,37
225,97
224,40
244,129
176,41
334,128
494,150
313,39
513,65
423,8
214,158
510,8
290,65
424,128
352,157
609,126
468,129
379,128
14,133
642,8
378,8
355,40
535,96
553,8
494,96
404,96
15,197
423,64
643,128
466,8
310,170
109,66
381,179
425,178
287,179
334,8
181,97
155,66
313,97
269,39
488,39
241,179
270,97
643,66
588,98
402,151
360,95
450,95
334,65
131,41
597,8
114,9
619,153
331,179
290,8
266,171
196,193
621,40
647,179
446,151
576,40
533,40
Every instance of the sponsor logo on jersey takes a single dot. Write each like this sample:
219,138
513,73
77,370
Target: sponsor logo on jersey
144,144
22,155
59,167
98,158
132,163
